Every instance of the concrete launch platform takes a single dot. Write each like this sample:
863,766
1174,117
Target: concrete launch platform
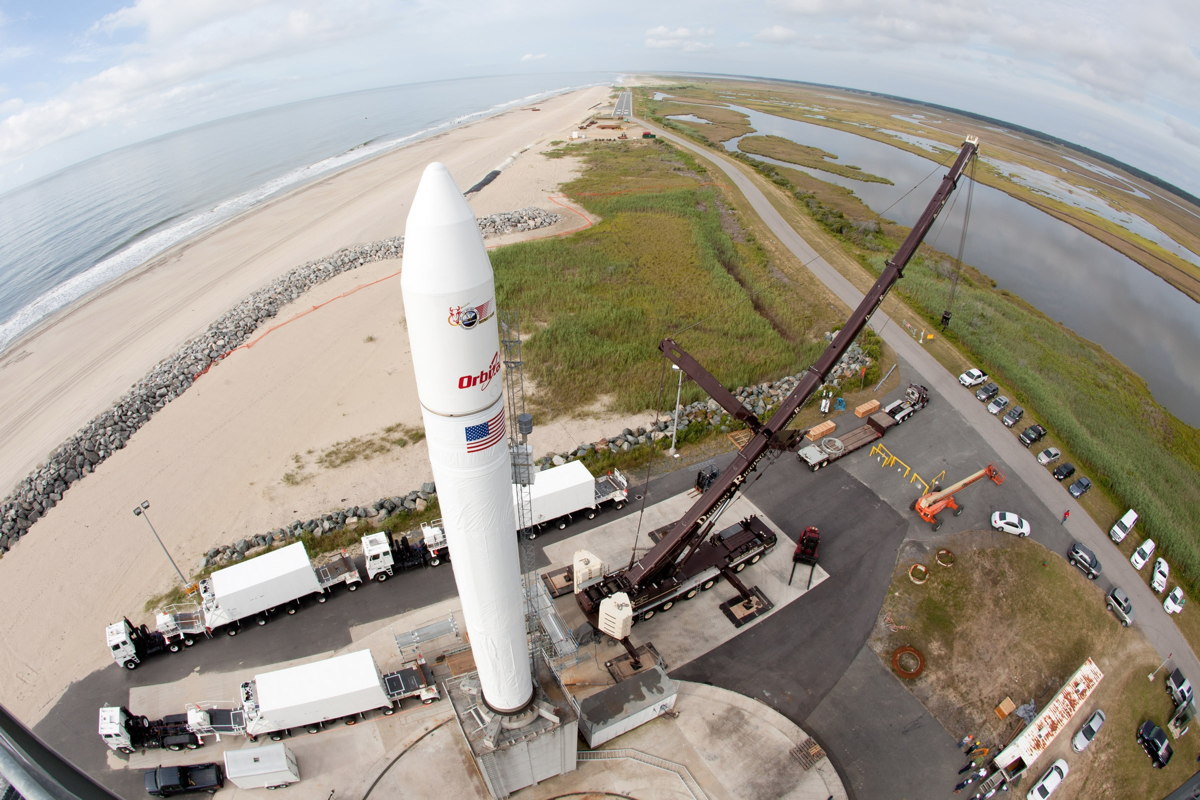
712,744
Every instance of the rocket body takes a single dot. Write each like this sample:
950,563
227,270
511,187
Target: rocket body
450,307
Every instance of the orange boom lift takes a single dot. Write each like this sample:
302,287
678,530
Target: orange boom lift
931,503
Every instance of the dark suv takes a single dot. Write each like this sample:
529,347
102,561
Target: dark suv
1032,434
986,392
1084,560
1063,471
1154,742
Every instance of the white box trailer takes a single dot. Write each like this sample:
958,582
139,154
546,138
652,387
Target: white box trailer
310,694
268,766
559,491
259,584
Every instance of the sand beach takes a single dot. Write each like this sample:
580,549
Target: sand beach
235,454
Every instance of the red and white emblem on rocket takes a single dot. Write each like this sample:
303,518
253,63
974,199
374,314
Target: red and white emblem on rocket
469,316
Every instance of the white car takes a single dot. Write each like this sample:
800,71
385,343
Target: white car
1158,581
1175,600
1088,731
1049,782
972,377
998,405
1142,554
1008,522
1049,456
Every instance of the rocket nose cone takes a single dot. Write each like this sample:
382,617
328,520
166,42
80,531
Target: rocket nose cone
438,200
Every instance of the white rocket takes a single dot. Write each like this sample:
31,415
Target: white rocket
450,305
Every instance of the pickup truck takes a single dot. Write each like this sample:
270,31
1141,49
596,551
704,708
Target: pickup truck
972,377
170,781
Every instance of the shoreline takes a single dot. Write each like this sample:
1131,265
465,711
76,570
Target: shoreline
212,462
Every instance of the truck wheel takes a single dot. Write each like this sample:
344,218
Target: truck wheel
738,567
561,524
692,592
533,535
276,737
433,562
174,647
131,664
619,505
428,701
188,641
389,710
232,630
321,598
590,513
260,621
667,606
381,577
708,584
757,557
352,587
192,745
312,728
125,750
816,467
649,615
292,609
174,748
350,721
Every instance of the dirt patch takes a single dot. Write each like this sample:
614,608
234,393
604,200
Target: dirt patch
1010,619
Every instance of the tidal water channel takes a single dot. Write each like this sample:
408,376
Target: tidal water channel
1092,289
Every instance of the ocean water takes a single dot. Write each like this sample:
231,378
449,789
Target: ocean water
87,225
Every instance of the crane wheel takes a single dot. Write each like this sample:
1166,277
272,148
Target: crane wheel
754,559
649,615
959,510
691,593
708,584
667,606
937,523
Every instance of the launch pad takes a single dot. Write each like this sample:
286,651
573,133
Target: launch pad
515,751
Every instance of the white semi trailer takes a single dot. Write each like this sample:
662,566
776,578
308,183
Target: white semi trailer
250,589
305,697
559,493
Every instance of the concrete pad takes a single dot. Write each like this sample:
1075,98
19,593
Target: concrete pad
694,627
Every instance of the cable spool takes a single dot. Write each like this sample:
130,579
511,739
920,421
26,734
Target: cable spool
833,445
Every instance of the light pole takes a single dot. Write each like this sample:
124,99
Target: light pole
140,511
1160,666
678,393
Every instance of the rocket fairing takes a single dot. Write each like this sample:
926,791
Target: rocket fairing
450,307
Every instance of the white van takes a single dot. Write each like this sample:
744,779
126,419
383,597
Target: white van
1124,526
270,766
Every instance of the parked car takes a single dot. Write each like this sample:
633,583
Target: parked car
170,781
1049,781
1142,554
1088,732
1175,600
1119,603
986,392
1080,487
1008,522
1063,471
1049,456
1158,581
1179,688
1013,416
972,377
1154,742
998,405
1032,434
1123,526
1084,560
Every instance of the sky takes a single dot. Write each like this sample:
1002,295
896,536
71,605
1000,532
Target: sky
81,77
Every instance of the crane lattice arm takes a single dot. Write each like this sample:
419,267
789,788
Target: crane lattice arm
689,531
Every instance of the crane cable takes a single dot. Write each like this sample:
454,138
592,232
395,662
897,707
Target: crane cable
962,244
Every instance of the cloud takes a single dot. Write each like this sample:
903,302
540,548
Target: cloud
533,57
776,34
688,40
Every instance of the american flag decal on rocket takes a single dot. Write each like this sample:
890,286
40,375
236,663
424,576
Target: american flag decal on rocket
485,434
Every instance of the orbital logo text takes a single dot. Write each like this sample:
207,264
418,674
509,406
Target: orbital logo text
467,317
483,377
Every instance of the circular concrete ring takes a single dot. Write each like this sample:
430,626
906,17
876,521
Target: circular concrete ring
918,573
945,557
904,672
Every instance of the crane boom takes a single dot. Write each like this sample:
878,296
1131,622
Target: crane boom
691,529
933,498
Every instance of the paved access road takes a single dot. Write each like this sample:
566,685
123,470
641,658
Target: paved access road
1156,624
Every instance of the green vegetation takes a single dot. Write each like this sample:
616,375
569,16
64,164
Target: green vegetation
668,256
781,149
992,627
359,448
